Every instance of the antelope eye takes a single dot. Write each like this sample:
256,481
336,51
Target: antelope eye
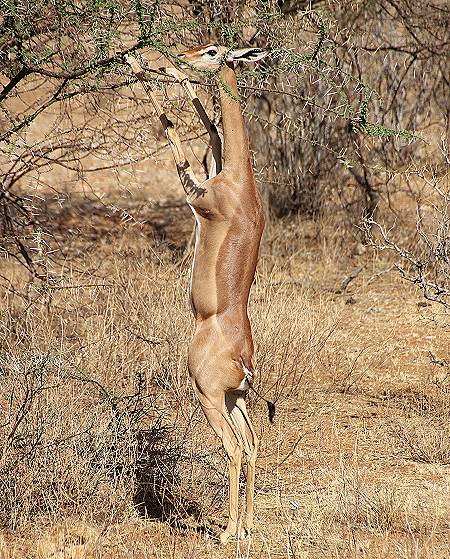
211,52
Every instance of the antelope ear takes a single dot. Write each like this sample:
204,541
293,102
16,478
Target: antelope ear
246,55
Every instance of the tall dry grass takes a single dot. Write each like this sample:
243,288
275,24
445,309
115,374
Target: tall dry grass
105,453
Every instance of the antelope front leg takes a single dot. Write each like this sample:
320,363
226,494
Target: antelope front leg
215,141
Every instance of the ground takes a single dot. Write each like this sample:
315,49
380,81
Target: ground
356,463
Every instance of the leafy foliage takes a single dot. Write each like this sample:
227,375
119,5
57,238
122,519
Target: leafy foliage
334,112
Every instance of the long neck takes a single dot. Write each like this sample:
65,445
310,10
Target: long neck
236,152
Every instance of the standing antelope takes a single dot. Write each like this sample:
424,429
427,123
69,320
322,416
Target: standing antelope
229,225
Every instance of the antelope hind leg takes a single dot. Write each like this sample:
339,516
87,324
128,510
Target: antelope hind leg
247,433
231,440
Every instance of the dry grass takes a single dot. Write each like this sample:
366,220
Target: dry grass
104,452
